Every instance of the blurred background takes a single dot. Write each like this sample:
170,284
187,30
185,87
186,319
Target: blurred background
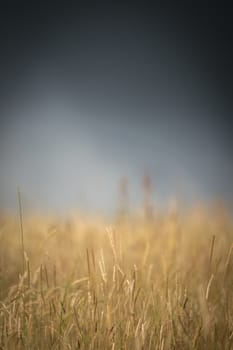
95,93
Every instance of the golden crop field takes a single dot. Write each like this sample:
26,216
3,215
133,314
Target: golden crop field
127,283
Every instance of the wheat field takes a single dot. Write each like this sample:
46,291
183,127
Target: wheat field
129,282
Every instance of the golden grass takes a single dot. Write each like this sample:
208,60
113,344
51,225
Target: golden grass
85,283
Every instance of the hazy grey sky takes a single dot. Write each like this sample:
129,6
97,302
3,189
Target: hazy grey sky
110,94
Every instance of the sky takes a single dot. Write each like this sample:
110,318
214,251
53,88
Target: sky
93,91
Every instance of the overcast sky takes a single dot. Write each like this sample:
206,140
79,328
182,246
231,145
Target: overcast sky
93,92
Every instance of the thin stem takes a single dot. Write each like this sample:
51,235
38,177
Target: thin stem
21,227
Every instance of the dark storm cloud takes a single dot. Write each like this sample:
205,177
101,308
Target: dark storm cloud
90,92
